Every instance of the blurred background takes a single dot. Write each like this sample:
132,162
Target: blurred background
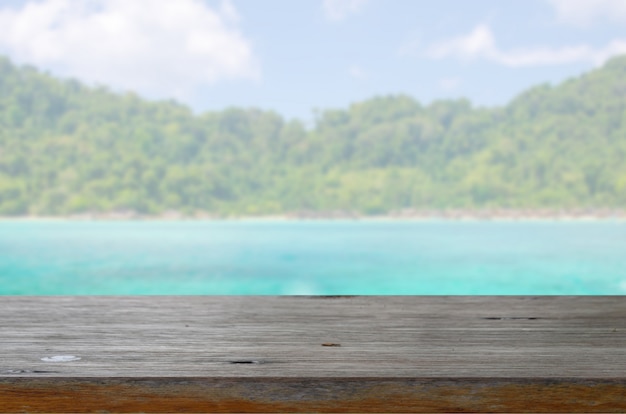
312,147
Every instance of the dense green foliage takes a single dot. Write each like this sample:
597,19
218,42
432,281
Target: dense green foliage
66,148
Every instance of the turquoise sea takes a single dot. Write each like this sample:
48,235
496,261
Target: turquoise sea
315,257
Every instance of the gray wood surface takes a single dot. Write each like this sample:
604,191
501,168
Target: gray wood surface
328,342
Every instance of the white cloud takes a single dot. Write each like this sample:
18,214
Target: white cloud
358,73
160,48
481,44
585,12
337,10
409,48
450,84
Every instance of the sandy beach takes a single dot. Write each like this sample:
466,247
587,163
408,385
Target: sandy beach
401,215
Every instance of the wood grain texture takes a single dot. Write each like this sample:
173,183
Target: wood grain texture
324,354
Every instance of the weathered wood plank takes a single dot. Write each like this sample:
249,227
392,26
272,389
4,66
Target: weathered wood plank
272,354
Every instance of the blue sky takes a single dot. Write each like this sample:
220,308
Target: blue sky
293,56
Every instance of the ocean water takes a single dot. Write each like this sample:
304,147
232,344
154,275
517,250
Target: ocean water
313,258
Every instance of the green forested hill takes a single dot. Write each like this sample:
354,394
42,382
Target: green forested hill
66,148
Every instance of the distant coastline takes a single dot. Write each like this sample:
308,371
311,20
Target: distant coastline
78,152
401,215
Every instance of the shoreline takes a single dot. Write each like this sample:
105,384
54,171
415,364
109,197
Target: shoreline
587,215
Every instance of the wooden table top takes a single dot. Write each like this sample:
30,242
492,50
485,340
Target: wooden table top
313,353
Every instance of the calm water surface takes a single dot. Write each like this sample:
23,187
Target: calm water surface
538,258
